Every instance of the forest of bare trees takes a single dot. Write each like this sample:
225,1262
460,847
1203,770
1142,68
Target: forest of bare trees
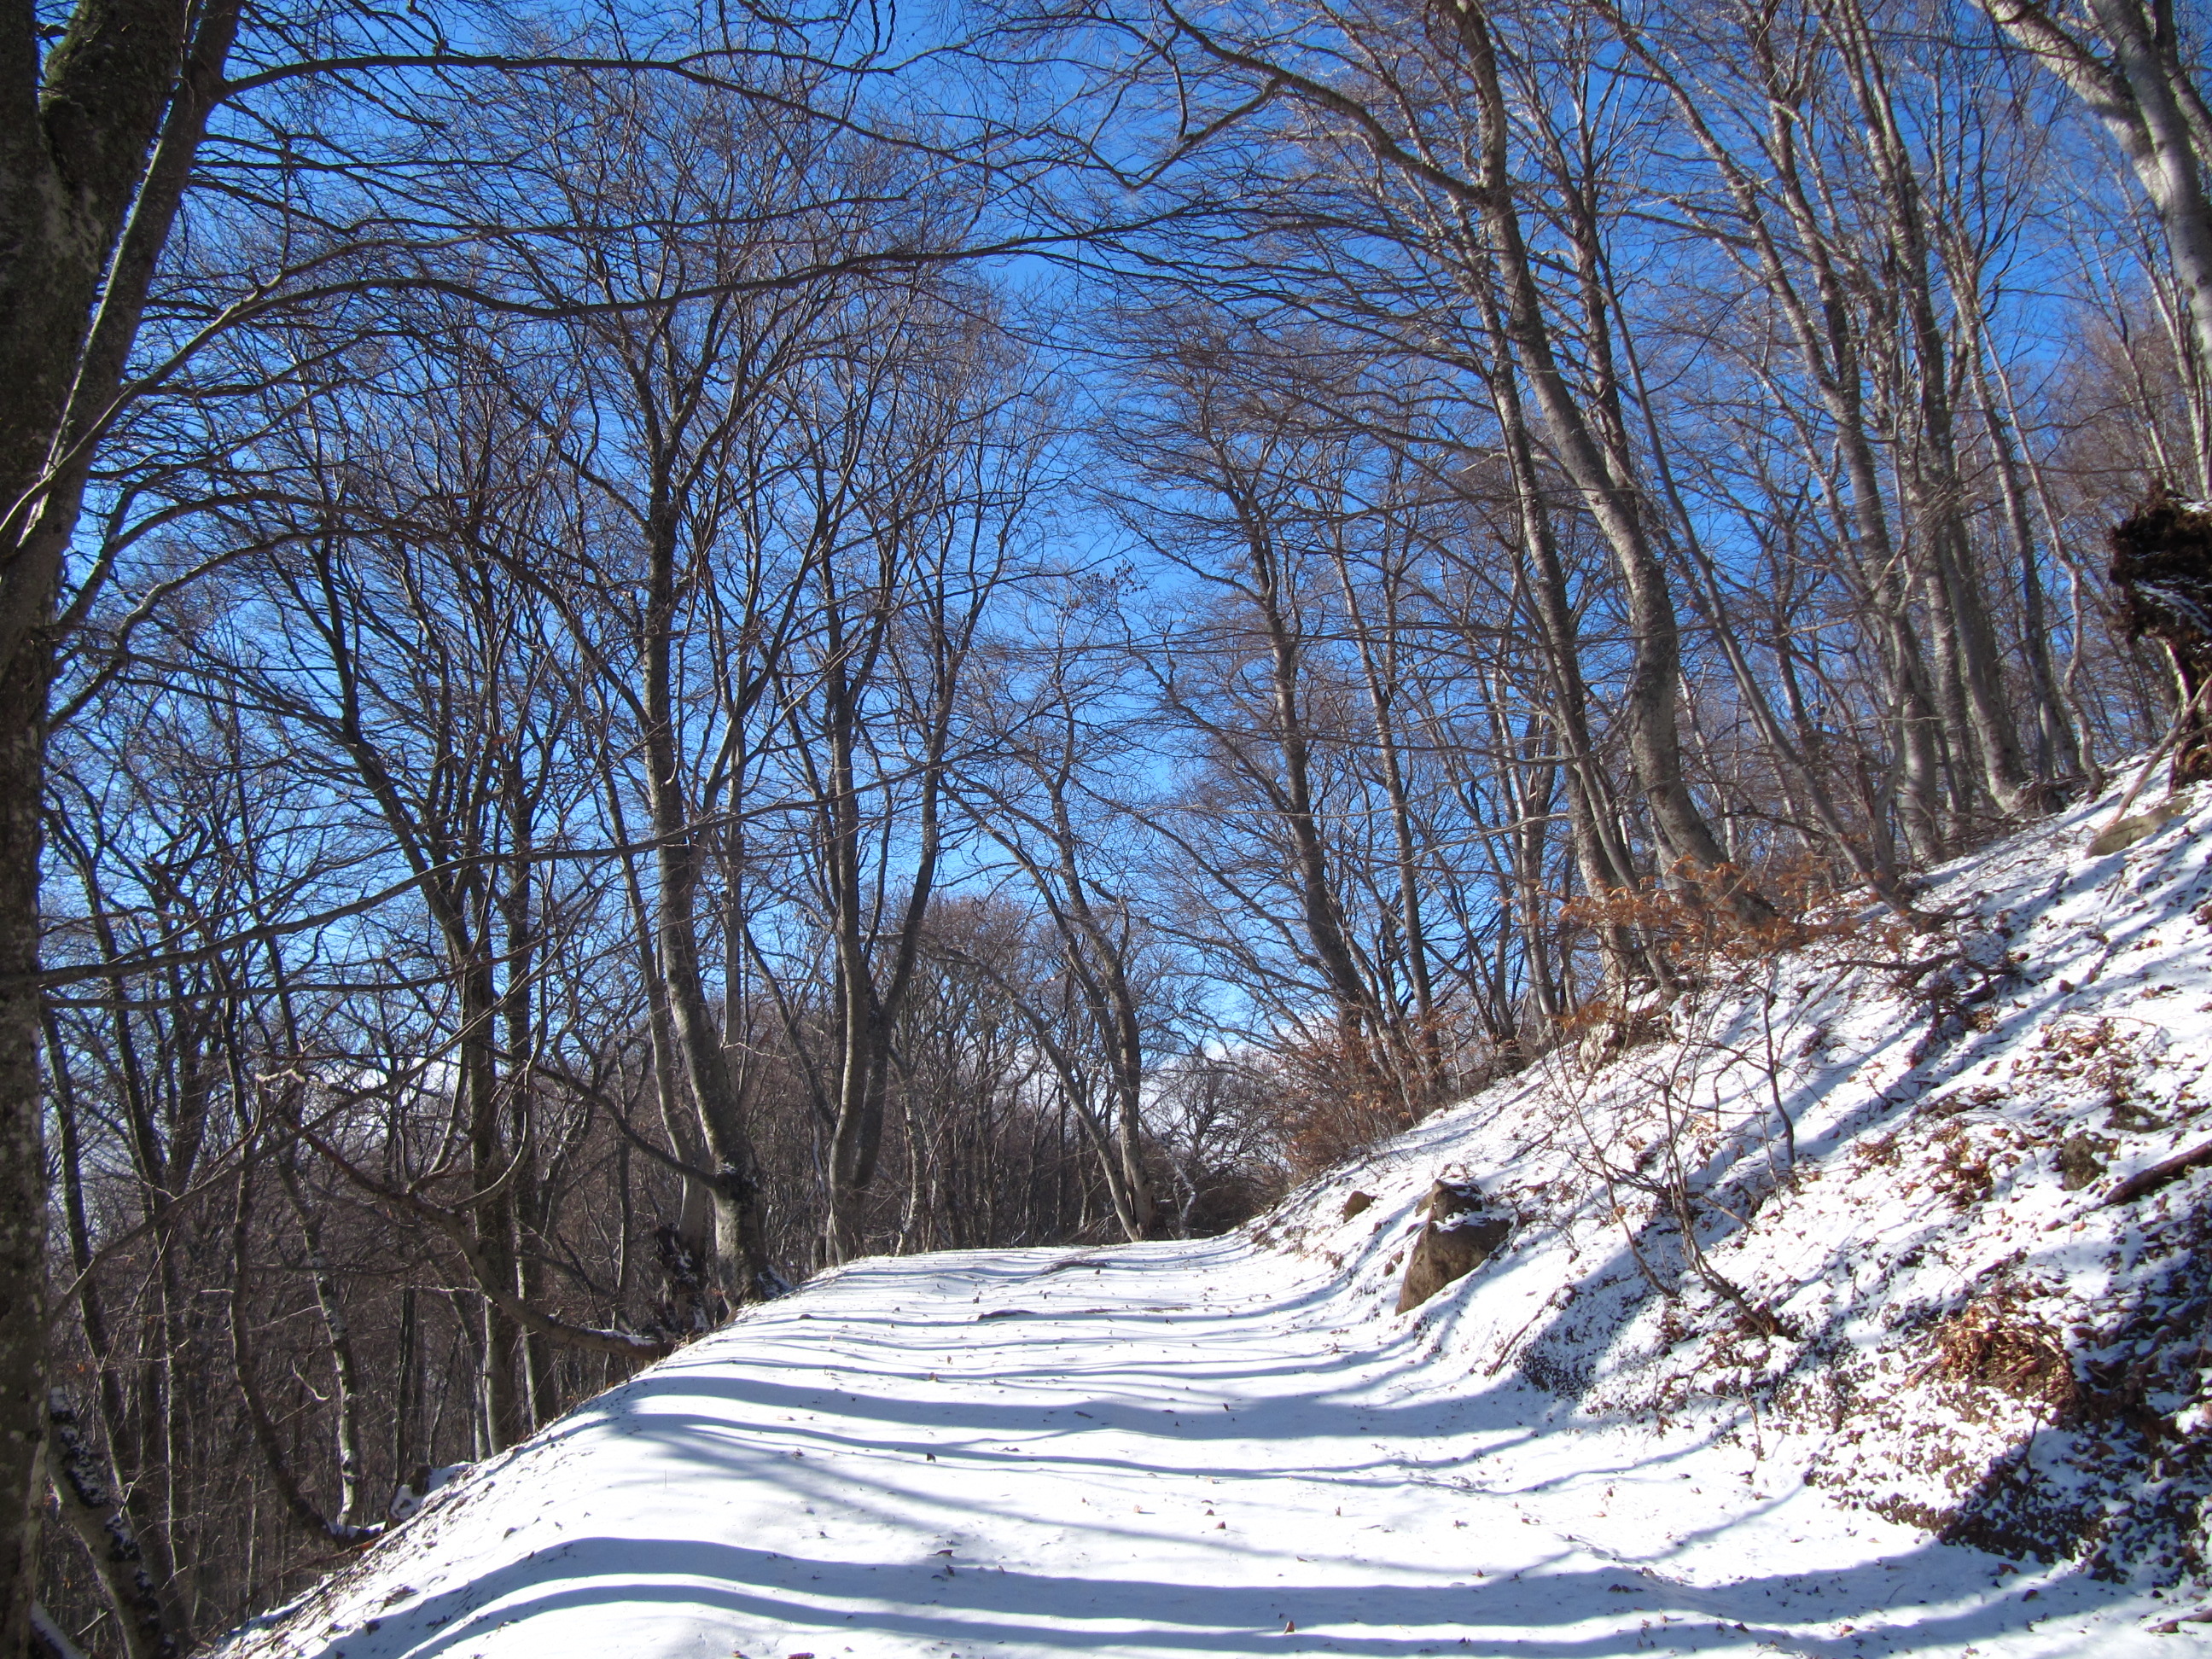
640,655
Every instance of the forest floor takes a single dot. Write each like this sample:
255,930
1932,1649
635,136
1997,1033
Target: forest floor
1969,1304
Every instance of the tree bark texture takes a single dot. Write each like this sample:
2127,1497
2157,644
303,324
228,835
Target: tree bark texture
2139,89
75,134
740,1252
85,1492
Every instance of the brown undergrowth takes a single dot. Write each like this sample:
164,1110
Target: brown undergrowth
1996,1342
1679,933
1337,1094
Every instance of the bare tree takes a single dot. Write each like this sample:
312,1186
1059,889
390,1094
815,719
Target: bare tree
2125,59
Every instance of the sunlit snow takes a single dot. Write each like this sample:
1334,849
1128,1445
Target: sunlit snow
1237,1446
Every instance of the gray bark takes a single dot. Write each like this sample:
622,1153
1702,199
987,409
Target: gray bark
2138,88
338,1333
1655,677
85,1493
740,1251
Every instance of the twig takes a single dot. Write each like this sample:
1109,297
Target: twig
1513,1340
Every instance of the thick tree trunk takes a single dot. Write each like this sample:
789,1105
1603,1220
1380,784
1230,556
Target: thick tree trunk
75,135
2142,94
740,1250
539,1403
862,1023
1832,348
1826,331
2140,89
22,1145
1317,899
679,1119
1600,860
871,997
1983,720
491,1207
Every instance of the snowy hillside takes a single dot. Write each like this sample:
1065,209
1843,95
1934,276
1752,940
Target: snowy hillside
1968,1304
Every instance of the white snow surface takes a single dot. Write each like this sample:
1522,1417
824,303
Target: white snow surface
1238,1446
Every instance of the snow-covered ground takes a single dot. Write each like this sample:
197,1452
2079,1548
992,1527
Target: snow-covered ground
1931,1321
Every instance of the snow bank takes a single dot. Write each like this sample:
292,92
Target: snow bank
1924,1373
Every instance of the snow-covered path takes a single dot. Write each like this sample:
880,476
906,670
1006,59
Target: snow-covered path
1240,1446
1163,1450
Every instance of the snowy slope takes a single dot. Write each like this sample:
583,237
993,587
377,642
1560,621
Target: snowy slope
1934,1324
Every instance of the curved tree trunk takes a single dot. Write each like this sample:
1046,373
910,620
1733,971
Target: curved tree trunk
2141,93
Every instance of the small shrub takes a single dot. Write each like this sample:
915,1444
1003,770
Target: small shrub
1337,1094
1334,1101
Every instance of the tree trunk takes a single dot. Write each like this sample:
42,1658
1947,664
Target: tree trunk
2057,757
1826,332
1655,676
740,1249
491,1207
85,1493
79,199
2141,95
1602,862
1381,676
304,1510
1357,1018
22,1143
337,1332
1932,471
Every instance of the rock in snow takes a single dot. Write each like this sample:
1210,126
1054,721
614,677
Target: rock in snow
1458,1237
1858,1308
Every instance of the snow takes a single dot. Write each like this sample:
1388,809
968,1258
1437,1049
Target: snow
1238,1446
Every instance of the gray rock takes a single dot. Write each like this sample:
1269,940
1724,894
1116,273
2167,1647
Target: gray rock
1458,1238
2128,831
2080,1161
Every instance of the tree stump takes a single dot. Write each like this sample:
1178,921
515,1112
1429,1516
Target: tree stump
2162,566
